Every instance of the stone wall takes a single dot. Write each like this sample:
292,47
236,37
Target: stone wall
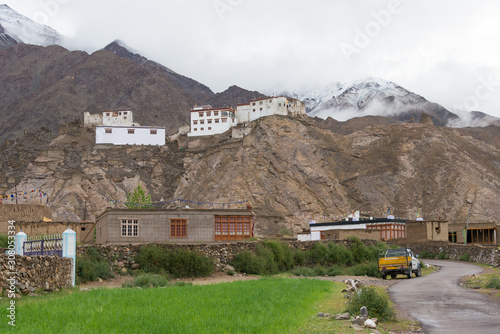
122,257
480,254
34,273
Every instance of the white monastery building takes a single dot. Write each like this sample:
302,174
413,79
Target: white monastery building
207,121
122,117
268,106
119,128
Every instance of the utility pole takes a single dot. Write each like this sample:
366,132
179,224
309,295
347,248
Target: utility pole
15,187
467,226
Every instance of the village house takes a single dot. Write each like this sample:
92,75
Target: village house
119,128
379,229
208,121
135,226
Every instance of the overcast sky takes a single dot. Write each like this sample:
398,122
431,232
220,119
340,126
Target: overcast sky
446,51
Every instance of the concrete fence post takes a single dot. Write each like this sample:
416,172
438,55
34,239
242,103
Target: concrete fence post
19,240
69,250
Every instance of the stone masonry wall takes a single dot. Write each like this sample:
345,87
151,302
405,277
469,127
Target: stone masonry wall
34,273
480,254
123,257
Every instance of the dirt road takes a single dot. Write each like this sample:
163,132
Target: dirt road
444,307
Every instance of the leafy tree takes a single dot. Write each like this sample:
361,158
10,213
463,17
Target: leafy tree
139,199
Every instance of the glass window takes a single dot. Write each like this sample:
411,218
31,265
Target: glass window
178,228
130,228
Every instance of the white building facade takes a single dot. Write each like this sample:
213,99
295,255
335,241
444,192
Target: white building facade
279,105
108,118
207,121
129,135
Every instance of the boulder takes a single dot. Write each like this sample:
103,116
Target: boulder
345,316
369,323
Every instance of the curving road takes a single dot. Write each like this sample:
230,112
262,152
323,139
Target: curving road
442,306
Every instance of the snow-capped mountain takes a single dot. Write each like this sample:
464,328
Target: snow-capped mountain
25,30
372,96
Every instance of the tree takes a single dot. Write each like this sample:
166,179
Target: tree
139,199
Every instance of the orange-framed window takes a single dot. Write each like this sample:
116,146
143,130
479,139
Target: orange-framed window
233,227
178,228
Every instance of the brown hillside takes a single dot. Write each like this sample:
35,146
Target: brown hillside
289,169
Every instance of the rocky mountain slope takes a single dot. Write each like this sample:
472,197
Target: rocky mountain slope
289,169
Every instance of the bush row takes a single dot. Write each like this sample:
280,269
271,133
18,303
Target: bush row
176,263
272,257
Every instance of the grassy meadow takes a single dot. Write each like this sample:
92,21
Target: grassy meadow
262,306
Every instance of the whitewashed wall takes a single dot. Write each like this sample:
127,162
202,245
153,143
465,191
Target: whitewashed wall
120,135
207,122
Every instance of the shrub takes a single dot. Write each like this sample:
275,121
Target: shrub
181,263
178,263
464,257
339,254
247,262
283,255
299,257
493,283
427,255
266,261
442,255
150,280
334,271
377,303
151,258
319,254
319,271
92,266
361,253
4,240
303,271
365,269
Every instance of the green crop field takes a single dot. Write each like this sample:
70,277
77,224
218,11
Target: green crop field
261,306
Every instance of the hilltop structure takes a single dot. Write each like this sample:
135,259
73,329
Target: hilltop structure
119,128
279,105
207,121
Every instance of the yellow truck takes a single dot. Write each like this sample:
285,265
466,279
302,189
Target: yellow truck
400,261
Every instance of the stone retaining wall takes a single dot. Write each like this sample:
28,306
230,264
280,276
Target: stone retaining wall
34,273
480,254
123,257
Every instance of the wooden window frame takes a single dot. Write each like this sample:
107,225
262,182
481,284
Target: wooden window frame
129,228
233,227
178,228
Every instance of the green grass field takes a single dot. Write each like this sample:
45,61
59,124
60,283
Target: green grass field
261,306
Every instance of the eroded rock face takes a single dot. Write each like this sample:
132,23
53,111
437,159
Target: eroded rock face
289,169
